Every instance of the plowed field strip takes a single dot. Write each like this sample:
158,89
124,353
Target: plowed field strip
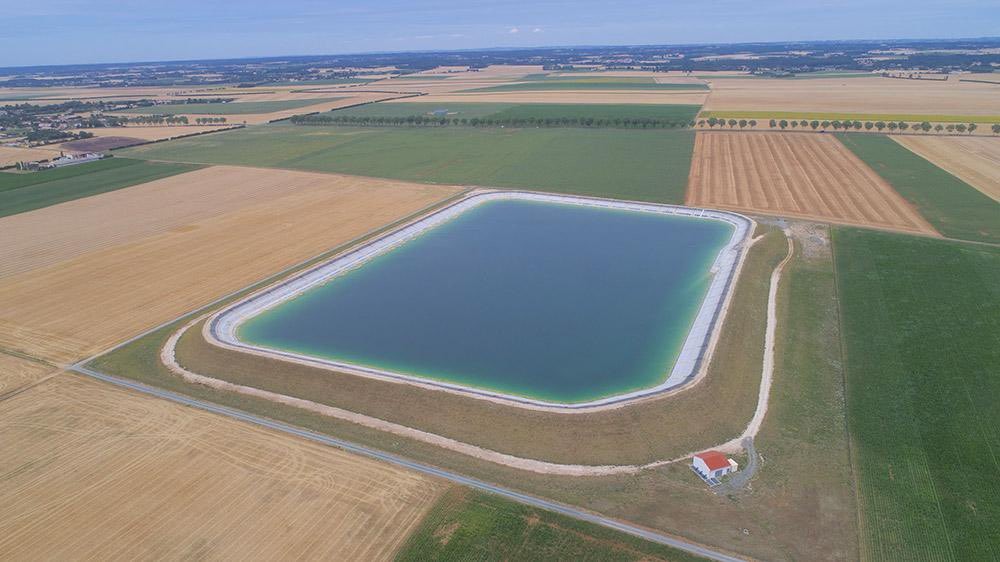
806,176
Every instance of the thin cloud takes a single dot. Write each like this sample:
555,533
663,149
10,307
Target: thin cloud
514,30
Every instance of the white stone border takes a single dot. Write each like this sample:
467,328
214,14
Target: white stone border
222,327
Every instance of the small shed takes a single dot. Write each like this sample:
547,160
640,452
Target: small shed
713,465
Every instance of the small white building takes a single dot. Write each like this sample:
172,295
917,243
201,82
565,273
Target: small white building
713,465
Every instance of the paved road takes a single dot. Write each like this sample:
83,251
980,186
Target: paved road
419,467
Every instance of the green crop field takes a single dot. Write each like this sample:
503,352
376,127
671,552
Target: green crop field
231,108
415,109
834,116
648,165
20,193
955,208
921,326
508,111
469,525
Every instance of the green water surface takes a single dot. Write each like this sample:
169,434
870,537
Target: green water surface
548,301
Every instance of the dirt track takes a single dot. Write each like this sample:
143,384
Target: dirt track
94,472
805,176
976,161
82,275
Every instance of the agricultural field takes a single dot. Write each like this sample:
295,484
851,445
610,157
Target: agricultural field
467,525
545,82
956,209
921,319
10,155
565,97
144,133
976,161
231,108
505,112
806,176
17,373
874,95
197,236
20,193
647,165
95,472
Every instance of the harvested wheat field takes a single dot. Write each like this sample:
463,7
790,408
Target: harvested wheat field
796,175
976,161
854,95
568,96
10,155
92,472
321,106
82,275
17,373
154,132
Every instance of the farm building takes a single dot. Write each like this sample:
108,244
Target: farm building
713,464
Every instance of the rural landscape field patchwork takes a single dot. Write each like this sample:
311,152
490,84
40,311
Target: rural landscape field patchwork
504,305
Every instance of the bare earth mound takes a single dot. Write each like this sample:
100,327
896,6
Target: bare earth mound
118,475
976,161
797,175
80,276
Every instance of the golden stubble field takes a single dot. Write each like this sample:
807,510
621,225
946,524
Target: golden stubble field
10,155
80,276
92,472
857,95
806,176
975,160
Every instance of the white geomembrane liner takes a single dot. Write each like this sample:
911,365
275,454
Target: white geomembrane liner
224,325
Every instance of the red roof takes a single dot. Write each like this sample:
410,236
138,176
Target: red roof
714,460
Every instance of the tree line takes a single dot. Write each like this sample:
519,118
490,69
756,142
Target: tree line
173,120
432,121
847,125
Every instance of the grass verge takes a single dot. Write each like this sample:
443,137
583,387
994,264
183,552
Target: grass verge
472,525
955,208
921,322
26,192
646,165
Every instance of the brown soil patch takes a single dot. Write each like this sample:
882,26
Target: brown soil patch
976,161
10,155
82,275
94,472
806,176
98,144
858,95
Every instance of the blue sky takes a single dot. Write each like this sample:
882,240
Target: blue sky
74,31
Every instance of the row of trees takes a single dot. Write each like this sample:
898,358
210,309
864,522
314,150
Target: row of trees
431,121
846,125
173,120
